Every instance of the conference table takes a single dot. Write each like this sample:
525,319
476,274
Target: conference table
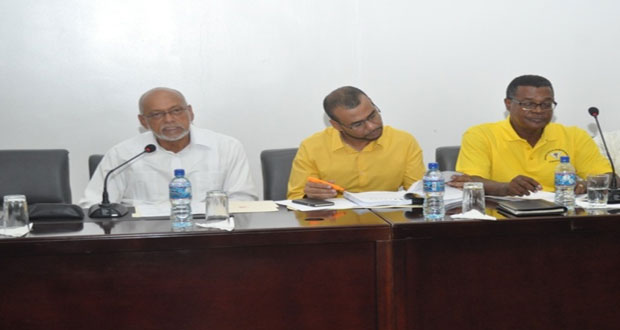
276,270
557,272
346,269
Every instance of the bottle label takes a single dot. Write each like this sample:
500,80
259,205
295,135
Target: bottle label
565,179
434,186
180,192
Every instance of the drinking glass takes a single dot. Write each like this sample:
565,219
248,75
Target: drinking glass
216,205
473,197
598,190
15,211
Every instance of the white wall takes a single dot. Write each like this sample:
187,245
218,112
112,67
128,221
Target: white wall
72,71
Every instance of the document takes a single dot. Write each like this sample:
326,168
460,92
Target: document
378,198
339,204
545,195
198,208
452,197
252,206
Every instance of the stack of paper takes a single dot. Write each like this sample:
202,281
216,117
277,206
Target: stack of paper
546,195
377,198
452,197
339,204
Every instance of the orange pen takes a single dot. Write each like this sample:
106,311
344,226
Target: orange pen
335,186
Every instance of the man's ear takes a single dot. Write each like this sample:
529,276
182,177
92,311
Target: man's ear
143,122
336,125
507,103
191,113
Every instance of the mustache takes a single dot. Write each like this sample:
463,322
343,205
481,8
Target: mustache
172,127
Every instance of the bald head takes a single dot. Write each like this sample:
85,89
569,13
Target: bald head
347,97
159,91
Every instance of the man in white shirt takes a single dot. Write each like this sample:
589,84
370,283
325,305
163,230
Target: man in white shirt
613,143
212,161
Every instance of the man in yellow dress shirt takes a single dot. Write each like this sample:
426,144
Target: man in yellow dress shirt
357,153
518,155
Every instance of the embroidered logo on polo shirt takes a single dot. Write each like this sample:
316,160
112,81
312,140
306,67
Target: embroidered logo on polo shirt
554,155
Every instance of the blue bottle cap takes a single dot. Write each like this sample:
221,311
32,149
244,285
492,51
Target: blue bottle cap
179,172
564,159
433,166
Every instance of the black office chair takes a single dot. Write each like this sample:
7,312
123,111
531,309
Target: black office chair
446,157
93,162
41,175
276,165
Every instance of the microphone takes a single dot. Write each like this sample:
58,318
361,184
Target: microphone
114,210
614,192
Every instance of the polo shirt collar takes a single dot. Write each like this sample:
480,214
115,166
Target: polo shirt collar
337,143
511,135
336,140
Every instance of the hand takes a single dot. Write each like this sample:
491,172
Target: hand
319,190
457,181
522,185
580,187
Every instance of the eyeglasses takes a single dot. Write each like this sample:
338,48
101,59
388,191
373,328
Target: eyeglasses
530,106
374,117
159,115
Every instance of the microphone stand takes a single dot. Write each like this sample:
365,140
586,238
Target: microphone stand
113,210
614,192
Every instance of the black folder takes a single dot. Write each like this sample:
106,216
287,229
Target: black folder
530,207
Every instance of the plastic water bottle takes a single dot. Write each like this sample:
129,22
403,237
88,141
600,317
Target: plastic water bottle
180,200
565,180
434,187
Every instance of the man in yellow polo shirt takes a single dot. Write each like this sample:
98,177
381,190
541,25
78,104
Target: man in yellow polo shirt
518,155
357,153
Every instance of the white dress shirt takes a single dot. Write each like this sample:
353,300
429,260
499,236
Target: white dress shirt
211,161
613,143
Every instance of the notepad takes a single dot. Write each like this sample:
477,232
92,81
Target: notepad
530,207
377,198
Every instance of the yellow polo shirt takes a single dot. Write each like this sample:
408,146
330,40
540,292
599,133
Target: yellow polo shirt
494,151
392,161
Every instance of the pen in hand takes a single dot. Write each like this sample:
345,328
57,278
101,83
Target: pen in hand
334,186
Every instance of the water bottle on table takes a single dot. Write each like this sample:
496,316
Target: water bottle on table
434,187
180,200
565,181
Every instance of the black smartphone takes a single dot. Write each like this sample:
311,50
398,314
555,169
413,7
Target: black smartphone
313,202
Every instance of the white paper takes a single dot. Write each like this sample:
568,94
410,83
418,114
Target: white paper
546,195
15,231
198,208
452,197
582,201
227,225
251,206
339,204
378,198
472,214
447,175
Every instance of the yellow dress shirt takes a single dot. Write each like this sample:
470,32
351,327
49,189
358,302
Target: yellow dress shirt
495,151
392,161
